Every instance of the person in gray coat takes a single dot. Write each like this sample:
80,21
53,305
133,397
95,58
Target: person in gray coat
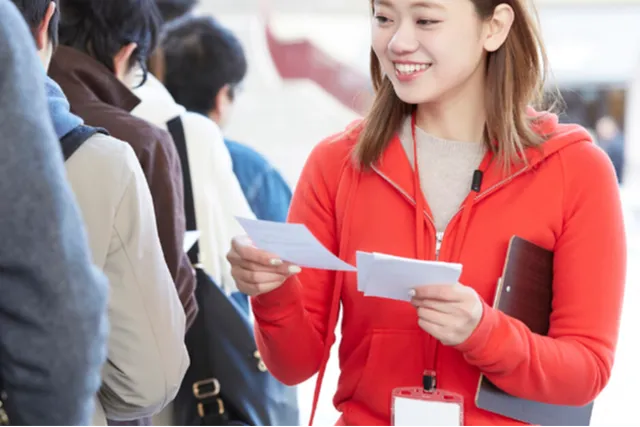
147,357
53,322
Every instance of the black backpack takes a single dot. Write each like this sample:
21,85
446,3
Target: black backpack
227,383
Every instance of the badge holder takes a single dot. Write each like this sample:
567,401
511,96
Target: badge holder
427,406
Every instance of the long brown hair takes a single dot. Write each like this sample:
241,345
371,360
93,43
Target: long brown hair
515,78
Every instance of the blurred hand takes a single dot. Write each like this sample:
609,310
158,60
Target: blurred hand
257,272
449,313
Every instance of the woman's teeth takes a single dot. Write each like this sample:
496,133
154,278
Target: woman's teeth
410,68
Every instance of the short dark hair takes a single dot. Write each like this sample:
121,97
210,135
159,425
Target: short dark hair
172,9
201,57
34,12
101,28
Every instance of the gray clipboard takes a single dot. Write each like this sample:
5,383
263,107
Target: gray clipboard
525,293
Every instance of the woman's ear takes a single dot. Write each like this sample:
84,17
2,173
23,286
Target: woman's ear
497,28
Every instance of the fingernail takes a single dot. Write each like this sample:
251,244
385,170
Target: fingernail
275,262
244,240
294,269
412,293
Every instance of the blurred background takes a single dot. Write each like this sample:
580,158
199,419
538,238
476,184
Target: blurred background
308,78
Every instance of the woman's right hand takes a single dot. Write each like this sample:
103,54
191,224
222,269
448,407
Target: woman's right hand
257,272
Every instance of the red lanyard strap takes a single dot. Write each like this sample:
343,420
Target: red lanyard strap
420,252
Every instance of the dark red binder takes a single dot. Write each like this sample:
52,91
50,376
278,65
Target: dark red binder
525,293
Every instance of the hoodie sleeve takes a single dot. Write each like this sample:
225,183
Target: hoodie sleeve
571,365
299,311
53,305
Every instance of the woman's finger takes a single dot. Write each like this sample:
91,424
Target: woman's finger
285,269
254,277
435,317
246,251
435,305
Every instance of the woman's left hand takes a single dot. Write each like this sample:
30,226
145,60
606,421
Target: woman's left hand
449,313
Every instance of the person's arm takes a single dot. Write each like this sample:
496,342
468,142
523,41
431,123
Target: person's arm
573,363
147,355
292,321
164,175
53,321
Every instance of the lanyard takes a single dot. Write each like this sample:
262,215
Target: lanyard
420,220
420,202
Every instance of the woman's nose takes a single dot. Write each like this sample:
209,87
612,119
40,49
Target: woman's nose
404,40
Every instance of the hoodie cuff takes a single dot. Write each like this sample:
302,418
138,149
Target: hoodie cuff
475,347
277,303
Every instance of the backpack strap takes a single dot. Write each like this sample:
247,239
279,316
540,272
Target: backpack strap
74,139
176,129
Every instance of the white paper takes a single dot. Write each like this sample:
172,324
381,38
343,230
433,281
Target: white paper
190,239
293,243
364,261
414,412
388,276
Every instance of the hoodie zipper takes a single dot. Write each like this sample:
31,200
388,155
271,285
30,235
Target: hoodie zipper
440,236
439,239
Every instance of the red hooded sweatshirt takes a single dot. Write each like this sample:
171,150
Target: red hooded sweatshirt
565,199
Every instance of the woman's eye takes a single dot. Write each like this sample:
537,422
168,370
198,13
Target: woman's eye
425,22
382,19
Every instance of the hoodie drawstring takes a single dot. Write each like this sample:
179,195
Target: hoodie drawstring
467,208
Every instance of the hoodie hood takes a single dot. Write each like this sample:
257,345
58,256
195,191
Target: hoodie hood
64,121
157,105
558,136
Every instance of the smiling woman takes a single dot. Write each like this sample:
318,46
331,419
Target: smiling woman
451,162
471,54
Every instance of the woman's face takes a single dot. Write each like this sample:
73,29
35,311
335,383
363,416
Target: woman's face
429,48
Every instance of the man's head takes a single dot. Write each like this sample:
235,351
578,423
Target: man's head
172,9
120,34
43,17
205,63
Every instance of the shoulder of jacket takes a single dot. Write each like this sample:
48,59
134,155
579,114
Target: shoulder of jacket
335,153
200,129
109,156
585,161
331,158
141,134
348,136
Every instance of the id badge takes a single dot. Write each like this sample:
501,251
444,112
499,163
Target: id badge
414,406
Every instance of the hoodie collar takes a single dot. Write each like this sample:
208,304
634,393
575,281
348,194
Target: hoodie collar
395,166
